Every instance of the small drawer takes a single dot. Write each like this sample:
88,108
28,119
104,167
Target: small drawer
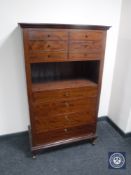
85,55
61,135
85,35
44,34
51,95
51,123
64,106
88,46
47,56
47,46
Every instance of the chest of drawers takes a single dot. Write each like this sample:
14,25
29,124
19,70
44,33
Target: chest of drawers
64,70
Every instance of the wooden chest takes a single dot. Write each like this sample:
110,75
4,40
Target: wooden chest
64,66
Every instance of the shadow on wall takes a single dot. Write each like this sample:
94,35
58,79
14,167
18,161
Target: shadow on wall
13,86
120,101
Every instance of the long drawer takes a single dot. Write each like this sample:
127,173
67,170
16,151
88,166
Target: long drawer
65,134
69,93
51,123
64,106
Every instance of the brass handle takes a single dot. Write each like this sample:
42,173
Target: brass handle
66,104
65,129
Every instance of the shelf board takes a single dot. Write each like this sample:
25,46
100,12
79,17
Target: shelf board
62,84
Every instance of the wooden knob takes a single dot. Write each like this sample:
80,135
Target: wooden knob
66,117
86,36
66,104
65,129
48,46
66,94
48,36
48,56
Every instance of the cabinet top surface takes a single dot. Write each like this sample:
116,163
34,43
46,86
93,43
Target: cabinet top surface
63,84
63,26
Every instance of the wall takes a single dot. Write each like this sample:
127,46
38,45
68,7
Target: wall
120,102
13,98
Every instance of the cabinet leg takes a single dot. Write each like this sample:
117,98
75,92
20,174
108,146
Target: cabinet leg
33,156
93,142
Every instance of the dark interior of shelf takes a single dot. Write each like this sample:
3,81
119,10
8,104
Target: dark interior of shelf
46,72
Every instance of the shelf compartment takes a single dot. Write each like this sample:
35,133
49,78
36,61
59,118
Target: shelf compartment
57,71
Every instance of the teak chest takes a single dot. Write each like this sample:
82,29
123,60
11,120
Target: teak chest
64,66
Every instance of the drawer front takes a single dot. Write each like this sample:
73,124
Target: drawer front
47,46
63,107
89,46
47,56
45,96
51,123
64,134
85,35
44,34
85,55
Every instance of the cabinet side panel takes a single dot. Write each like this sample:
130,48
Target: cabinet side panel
101,69
28,79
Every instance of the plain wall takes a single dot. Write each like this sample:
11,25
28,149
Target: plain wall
14,115
120,101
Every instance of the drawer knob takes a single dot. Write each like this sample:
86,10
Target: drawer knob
48,46
86,36
66,117
66,94
48,56
66,104
65,129
48,36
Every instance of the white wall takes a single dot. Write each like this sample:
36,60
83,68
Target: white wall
13,98
120,102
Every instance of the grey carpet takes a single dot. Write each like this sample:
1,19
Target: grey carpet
77,159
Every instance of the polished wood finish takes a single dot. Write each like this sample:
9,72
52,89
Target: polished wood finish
64,134
63,106
51,123
64,66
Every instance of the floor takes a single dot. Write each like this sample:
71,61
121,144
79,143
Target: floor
80,159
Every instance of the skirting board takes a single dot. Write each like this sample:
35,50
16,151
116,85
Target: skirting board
14,134
103,118
106,118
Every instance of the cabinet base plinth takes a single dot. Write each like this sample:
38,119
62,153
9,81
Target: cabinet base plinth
37,149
